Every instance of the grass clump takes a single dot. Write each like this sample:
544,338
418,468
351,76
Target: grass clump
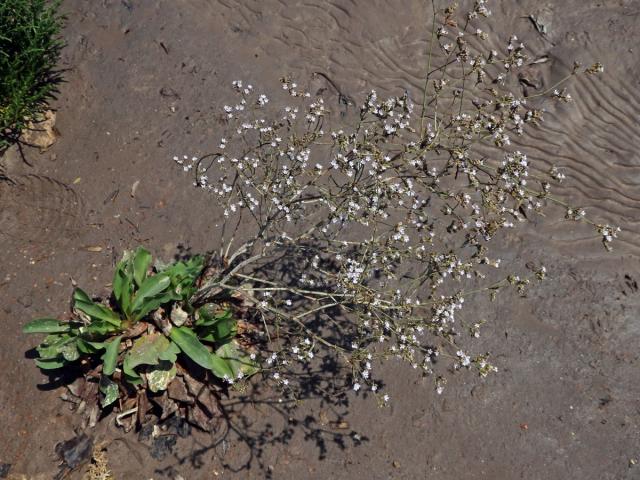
29,50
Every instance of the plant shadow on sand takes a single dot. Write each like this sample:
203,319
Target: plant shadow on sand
259,418
264,413
248,419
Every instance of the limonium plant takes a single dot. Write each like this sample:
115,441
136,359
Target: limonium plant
367,237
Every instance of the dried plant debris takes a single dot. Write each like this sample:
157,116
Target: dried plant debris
99,466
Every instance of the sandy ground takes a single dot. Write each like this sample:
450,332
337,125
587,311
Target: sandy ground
145,82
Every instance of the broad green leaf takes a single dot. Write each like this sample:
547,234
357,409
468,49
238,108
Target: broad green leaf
88,347
211,313
184,274
188,342
99,312
95,310
79,295
150,288
141,262
152,304
56,338
123,284
45,325
171,353
225,330
70,352
53,345
147,350
215,324
220,333
130,376
110,356
237,359
98,328
221,368
184,270
194,265
109,390
51,364
160,376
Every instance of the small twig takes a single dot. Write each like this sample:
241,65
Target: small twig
125,414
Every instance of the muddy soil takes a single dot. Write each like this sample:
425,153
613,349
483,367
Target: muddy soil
146,80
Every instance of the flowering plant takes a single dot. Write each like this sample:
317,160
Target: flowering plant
366,239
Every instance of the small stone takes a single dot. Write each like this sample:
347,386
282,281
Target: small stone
178,315
178,391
